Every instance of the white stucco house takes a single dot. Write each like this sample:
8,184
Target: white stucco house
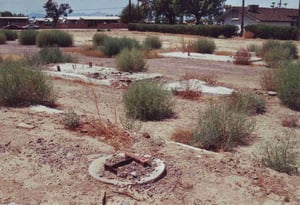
256,15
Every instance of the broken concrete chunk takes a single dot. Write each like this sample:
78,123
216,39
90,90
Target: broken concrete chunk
25,126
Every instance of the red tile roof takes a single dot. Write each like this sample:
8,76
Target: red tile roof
270,14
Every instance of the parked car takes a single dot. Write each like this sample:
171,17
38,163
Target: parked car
31,26
12,26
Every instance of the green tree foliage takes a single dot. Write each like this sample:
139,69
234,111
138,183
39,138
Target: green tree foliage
169,10
53,10
204,8
9,14
138,14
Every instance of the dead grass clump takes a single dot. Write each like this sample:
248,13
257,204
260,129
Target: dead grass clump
242,57
71,119
267,80
150,54
290,121
86,51
188,94
210,78
107,131
183,136
224,53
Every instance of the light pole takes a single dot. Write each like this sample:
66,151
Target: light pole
242,19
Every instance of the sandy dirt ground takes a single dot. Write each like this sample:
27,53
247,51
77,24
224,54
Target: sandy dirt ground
48,164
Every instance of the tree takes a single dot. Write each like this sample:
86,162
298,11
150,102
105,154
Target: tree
204,8
53,10
9,14
137,14
165,8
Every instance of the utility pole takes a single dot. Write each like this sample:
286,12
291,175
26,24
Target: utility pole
242,19
129,11
298,21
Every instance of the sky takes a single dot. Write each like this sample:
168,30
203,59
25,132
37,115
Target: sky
106,6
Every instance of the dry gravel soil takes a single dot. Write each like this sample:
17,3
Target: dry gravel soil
48,164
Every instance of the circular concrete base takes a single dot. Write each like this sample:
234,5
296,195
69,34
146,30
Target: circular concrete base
96,168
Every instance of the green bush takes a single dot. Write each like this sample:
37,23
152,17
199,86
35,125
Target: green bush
275,53
205,46
112,46
247,102
221,128
288,85
254,48
71,119
22,84
131,61
2,38
273,32
98,39
59,38
242,57
28,37
291,47
148,101
53,55
11,35
280,153
152,42
203,30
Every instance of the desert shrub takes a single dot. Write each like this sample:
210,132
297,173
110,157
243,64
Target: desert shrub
221,128
71,119
288,85
2,38
148,101
275,53
11,35
280,153
21,84
205,46
112,46
98,39
59,38
28,37
128,43
131,61
53,55
247,102
254,48
242,57
276,56
152,42
267,80
187,94
291,47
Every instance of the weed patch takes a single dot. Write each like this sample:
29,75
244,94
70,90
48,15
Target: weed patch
131,61
148,101
22,84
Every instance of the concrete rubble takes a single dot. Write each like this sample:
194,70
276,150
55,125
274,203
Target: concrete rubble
198,86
